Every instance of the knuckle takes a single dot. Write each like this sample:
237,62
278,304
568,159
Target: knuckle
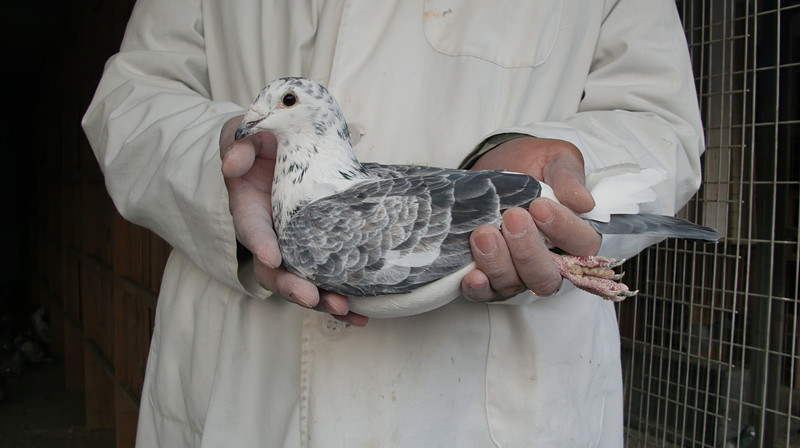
511,291
546,286
526,255
493,265
264,277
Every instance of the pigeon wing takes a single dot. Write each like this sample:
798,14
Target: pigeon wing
405,230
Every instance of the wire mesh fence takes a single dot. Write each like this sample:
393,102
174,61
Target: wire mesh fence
710,345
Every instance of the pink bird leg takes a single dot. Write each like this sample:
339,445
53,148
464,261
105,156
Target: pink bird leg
594,274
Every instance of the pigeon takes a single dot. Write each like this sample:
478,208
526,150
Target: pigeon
40,326
744,439
395,238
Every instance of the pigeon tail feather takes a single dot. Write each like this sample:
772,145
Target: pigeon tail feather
655,225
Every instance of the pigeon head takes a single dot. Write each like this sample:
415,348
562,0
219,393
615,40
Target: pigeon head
289,106
314,157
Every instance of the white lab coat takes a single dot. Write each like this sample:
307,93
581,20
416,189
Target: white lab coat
426,81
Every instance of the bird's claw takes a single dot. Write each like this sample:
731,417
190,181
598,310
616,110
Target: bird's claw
594,274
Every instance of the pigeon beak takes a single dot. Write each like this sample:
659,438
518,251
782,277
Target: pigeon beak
246,128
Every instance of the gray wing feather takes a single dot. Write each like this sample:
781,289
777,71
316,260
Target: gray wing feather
406,229
657,225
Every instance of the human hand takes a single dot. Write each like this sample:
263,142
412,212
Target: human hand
516,257
248,166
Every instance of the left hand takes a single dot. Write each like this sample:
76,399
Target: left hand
516,257
248,166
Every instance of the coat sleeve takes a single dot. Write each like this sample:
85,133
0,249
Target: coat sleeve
155,132
639,106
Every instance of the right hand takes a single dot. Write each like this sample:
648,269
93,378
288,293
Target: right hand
515,257
248,166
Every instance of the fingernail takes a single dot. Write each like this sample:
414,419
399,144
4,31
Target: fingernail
477,286
354,319
514,223
332,308
477,289
300,300
485,243
541,212
264,260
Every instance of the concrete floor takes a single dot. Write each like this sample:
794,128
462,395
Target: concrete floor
37,411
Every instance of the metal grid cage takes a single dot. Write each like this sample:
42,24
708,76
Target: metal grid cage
710,345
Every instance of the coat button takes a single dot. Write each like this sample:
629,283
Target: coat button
332,328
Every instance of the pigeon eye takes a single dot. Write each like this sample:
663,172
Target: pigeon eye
289,99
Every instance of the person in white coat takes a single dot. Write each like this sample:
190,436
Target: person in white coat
553,88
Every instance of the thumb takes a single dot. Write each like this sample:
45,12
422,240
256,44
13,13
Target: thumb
563,229
568,183
237,158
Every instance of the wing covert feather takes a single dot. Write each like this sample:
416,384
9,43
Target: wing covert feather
407,228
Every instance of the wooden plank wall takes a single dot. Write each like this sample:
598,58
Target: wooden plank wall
97,274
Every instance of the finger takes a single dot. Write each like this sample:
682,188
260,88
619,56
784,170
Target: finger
228,132
475,286
532,260
566,177
249,183
336,305
333,303
564,229
492,258
252,218
287,285
353,319
238,158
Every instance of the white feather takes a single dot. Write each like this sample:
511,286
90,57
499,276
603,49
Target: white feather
620,189
420,300
414,259
547,192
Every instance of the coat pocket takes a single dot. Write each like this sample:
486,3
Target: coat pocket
509,34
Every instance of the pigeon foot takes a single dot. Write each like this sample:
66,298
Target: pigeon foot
594,274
